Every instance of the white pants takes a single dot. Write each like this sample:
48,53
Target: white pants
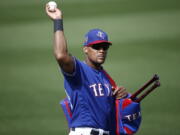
85,131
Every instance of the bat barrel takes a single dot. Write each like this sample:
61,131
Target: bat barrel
154,78
155,85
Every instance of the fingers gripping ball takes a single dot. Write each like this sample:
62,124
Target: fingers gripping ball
52,6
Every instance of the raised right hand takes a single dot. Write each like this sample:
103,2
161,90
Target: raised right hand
57,14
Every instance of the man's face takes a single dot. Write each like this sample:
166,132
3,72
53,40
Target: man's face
97,53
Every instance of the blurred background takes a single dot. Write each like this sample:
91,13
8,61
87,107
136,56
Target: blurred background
146,40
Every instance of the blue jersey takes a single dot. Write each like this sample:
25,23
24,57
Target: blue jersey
90,95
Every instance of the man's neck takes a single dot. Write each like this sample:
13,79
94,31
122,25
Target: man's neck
93,65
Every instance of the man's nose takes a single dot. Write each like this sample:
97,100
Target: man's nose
101,49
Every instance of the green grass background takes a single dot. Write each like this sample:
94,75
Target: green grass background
146,40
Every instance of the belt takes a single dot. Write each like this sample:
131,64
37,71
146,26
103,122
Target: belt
94,132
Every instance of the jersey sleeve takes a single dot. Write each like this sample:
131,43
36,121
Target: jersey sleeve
76,72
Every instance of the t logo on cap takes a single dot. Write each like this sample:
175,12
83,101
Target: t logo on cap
100,34
96,36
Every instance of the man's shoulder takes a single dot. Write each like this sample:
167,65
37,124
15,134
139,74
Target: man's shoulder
80,62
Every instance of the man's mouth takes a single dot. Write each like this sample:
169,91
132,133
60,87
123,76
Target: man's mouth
101,56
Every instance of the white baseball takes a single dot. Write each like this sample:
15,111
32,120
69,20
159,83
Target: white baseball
52,6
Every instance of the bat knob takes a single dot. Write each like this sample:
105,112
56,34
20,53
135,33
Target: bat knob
157,83
156,77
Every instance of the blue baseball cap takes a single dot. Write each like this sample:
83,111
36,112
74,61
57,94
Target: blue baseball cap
96,36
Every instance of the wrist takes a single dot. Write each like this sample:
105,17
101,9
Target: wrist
58,25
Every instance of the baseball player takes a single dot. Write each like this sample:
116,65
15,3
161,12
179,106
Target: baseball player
88,88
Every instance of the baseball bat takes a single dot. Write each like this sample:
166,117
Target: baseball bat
153,87
154,78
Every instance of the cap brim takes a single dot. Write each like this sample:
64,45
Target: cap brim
98,42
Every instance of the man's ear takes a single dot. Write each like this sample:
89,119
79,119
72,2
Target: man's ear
85,49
